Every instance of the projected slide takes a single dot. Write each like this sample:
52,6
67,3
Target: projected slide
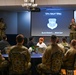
47,23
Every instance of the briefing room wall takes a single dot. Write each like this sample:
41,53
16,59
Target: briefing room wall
10,18
17,23
39,2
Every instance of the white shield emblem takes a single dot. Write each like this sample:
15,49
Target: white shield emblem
52,23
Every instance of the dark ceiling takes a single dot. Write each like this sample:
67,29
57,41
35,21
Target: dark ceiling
52,7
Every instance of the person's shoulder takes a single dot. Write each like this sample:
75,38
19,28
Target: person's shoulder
37,43
70,23
61,48
23,47
49,47
12,47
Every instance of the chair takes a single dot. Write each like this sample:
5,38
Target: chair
56,62
17,63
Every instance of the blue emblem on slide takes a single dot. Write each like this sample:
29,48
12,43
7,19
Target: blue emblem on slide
52,23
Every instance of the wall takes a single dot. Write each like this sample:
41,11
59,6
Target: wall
10,18
17,23
24,19
39,2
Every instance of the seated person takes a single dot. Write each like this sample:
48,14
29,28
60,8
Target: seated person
3,44
25,42
69,55
1,57
20,48
60,45
46,59
31,42
41,43
42,46
3,62
64,42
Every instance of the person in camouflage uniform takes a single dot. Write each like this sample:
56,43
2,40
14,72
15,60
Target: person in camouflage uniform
72,28
50,50
2,27
69,55
20,48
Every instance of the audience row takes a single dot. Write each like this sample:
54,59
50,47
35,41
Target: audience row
55,55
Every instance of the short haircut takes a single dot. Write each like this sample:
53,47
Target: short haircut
53,37
73,42
19,38
31,38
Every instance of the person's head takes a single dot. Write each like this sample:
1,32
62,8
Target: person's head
73,20
64,39
25,40
20,39
41,39
73,43
1,20
53,39
31,38
4,37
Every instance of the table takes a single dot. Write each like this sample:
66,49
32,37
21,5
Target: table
33,55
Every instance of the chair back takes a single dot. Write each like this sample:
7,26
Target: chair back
56,62
17,62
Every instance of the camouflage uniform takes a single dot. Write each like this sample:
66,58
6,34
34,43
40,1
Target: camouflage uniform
3,63
69,57
46,61
72,28
20,48
2,28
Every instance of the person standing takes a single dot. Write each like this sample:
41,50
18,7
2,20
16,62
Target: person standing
2,27
72,28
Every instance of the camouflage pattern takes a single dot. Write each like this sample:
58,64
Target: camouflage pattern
69,57
72,28
46,61
2,28
19,48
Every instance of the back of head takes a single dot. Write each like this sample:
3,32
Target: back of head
19,38
73,42
64,39
31,38
1,20
53,38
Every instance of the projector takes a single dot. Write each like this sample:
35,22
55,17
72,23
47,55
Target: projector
34,9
